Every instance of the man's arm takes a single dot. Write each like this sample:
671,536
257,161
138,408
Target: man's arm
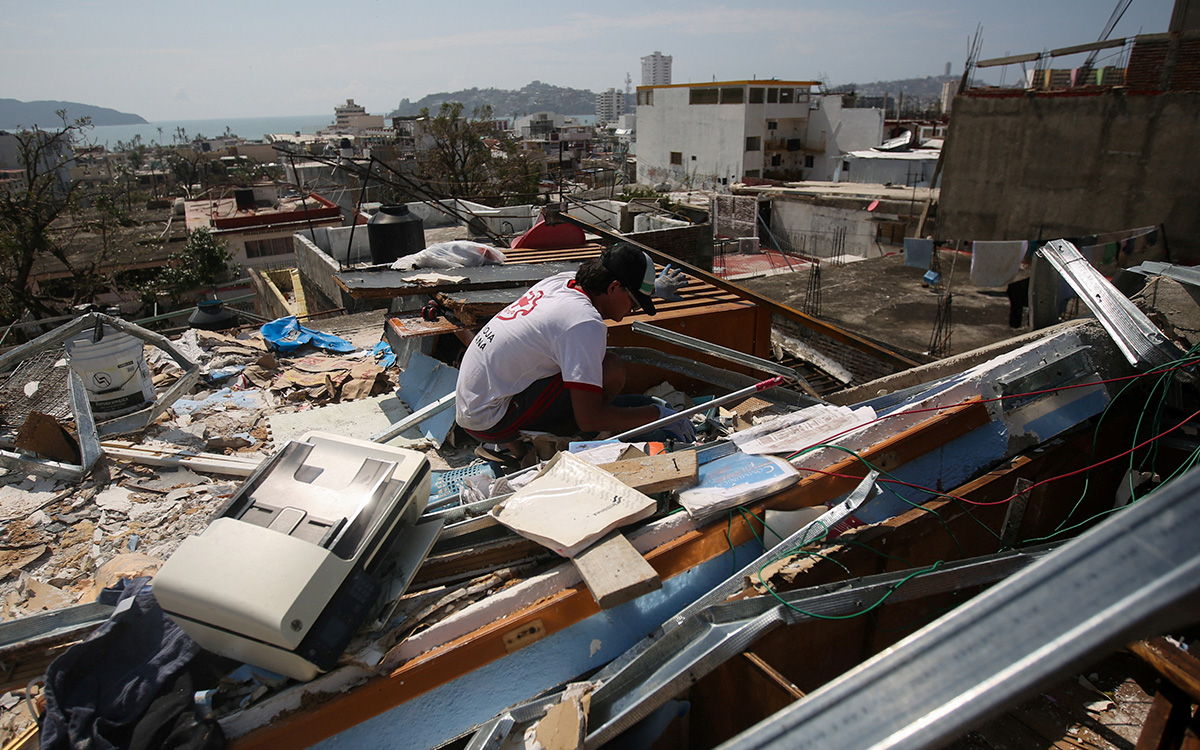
593,415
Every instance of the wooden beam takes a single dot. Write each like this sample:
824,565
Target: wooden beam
564,609
1178,666
615,572
666,471
790,313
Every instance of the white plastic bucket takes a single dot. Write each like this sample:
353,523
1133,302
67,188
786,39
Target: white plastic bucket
114,372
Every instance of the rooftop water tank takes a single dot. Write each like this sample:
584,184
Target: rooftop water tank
212,315
394,232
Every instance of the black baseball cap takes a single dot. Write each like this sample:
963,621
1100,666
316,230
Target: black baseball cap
634,269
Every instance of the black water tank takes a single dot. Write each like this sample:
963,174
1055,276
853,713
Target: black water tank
393,232
244,198
212,315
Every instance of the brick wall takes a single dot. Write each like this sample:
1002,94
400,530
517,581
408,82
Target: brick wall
1146,63
1165,62
692,244
1186,75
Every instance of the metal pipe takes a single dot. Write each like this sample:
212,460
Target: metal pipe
664,421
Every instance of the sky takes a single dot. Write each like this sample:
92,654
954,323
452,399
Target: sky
219,58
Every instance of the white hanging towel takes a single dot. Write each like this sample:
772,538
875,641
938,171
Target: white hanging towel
996,263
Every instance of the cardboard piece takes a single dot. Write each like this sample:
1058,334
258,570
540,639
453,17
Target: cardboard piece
42,434
735,480
571,504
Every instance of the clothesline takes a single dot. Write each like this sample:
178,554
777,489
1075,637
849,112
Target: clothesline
997,263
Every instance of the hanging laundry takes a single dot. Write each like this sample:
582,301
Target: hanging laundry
1110,253
917,252
996,263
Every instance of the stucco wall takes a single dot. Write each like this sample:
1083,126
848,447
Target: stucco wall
814,229
714,134
1045,166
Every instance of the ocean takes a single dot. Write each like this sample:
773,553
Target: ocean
250,128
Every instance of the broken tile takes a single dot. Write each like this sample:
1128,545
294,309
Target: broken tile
114,498
12,560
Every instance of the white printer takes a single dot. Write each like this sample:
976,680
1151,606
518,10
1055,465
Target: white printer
285,574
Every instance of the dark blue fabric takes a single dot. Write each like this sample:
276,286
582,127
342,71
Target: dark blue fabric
98,689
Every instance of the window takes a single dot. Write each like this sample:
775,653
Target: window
693,157
772,96
808,161
756,95
777,160
677,157
264,248
753,143
772,125
786,96
703,96
733,95
846,167
752,173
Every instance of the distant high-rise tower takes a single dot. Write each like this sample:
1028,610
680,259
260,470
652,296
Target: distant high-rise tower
610,105
947,68
656,69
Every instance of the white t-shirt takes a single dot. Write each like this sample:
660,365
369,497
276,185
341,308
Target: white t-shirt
553,328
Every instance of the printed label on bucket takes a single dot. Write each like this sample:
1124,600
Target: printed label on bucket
114,373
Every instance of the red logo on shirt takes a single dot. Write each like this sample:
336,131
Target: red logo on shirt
523,306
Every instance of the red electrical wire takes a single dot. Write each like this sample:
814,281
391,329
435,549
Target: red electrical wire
937,493
1002,398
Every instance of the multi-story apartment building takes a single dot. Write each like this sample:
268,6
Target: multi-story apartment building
709,135
610,105
656,69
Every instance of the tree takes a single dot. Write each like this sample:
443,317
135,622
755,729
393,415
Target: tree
470,157
29,208
459,161
203,260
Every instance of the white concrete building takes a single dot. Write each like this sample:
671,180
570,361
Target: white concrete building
656,69
912,168
711,135
610,105
353,118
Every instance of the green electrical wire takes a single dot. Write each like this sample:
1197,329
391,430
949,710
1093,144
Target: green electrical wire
891,590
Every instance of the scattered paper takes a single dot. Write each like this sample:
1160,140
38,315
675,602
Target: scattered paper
571,504
736,480
814,425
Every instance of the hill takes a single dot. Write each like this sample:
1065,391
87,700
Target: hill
17,114
927,89
534,97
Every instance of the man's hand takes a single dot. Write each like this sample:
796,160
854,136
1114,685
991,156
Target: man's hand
682,430
666,286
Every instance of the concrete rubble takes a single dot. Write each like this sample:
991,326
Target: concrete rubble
62,542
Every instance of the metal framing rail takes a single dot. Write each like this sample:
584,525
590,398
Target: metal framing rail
1109,586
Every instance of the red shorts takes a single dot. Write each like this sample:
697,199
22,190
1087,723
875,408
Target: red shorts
545,406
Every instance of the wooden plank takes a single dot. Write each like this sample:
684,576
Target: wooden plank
661,473
410,326
560,611
1178,666
615,572
233,466
1166,722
